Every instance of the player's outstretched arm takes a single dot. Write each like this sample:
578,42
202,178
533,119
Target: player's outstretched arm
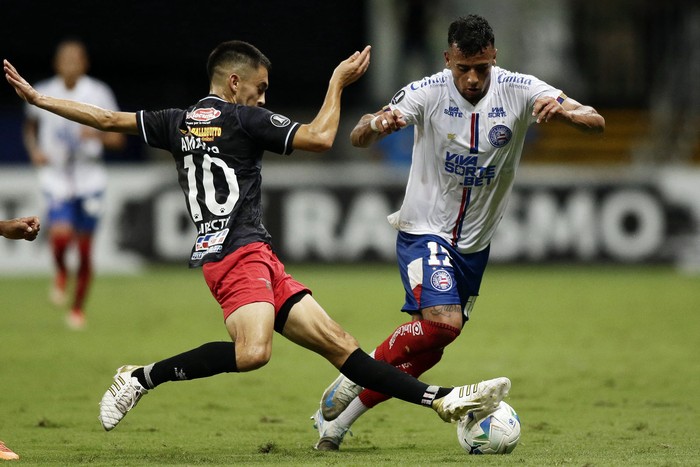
571,112
90,115
319,135
26,228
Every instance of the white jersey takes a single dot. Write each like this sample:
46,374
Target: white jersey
75,166
464,156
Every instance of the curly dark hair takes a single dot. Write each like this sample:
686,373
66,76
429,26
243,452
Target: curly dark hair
471,34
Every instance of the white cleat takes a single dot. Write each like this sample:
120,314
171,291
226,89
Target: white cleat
122,396
338,396
330,433
481,398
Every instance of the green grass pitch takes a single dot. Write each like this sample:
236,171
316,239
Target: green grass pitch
604,360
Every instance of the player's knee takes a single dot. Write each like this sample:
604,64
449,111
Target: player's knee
440,334
252,357
337,349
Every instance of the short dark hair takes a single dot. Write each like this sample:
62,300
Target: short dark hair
471,34
236,53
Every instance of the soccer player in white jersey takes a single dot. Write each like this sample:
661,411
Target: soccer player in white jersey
72,177
470,122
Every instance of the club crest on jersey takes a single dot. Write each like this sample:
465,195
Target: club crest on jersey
203,115
500,135
280,121
441,280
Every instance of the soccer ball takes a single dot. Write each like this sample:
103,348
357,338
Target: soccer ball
496,433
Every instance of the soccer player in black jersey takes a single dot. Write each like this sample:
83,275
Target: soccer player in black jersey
218,144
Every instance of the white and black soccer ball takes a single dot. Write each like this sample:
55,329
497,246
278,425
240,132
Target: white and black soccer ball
496,433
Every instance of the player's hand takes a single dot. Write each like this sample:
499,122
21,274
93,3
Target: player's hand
352,68
387,121
26,228
547,108
22,87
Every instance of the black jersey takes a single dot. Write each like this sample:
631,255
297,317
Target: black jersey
218,149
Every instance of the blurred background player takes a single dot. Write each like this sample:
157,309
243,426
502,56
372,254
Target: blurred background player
23,228
471,120
68,157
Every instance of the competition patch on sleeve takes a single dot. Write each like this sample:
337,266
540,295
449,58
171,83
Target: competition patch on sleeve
398,97
280,121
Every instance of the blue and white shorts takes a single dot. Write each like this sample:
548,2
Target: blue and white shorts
82,213
434,273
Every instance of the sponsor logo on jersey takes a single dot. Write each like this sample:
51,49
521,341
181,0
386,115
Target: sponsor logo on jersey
499,136
467,167
430,81
441,280
515,80
453,112
398,97
203,115
280,121
197,255
497,112
207,133
211,242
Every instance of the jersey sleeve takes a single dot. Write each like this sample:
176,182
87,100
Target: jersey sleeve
271,131
541,89
154,126
410,101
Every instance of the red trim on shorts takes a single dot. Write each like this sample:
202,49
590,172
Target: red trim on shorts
250,274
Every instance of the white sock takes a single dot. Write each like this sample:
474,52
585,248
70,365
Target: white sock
353,411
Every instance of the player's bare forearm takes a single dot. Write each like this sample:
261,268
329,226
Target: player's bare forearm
90,115
373,127
587,119
362,136
319,135
571,112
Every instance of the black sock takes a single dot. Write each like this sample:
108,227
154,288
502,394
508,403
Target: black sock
382,377
207,360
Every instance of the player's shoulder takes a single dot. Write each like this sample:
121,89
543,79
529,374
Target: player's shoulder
427,87
512,80
432,83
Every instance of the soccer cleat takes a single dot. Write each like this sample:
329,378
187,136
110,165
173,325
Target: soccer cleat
330,433
480,398
122,396
6,453
338,396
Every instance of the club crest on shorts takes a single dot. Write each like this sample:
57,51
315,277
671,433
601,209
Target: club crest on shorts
441,280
